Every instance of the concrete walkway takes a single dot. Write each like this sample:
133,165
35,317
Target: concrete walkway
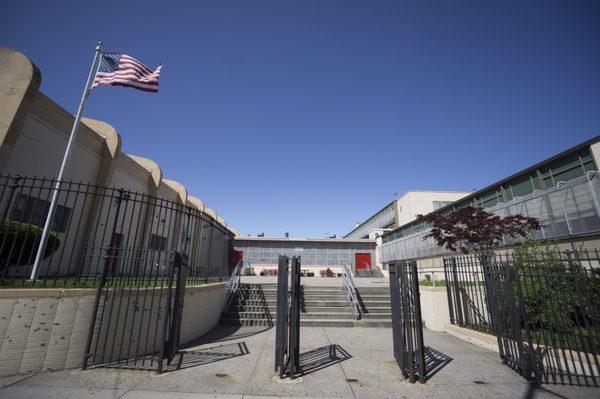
234,362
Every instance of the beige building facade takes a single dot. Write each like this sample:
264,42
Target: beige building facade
34,131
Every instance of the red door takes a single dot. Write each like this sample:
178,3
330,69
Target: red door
362,261
236,257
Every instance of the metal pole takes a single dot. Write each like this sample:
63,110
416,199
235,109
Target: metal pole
86,92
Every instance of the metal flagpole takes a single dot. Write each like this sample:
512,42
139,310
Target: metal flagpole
86,92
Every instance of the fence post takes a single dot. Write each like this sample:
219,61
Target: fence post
282,313
449,292
91,328
294,346
418,320
399,342
210,245
457,301
493,302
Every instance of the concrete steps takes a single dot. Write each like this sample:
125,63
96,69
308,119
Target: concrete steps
255,305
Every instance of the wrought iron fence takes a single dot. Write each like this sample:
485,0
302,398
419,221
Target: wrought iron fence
287,327
96,226
136,323
467,301
544,308
407,324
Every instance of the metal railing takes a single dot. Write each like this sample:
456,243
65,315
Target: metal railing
232,285
351,292
567,209
543,306
97,225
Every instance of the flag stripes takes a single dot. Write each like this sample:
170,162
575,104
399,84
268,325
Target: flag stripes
118,69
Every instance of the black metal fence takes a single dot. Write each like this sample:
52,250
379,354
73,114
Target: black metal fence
544,308
136,322
287,332
407,324
96,226
467,296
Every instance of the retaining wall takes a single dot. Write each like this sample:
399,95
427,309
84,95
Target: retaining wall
47,329
434,308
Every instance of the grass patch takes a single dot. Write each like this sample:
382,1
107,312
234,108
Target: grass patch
429,283
93,282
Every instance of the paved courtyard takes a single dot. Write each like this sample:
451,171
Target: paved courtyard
236,363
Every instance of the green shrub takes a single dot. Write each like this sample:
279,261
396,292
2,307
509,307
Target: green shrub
557,295
21,241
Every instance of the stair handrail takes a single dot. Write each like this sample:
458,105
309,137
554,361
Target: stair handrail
351,292
232,285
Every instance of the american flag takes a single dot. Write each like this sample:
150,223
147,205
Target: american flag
118,69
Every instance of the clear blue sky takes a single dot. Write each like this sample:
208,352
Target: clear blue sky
308,116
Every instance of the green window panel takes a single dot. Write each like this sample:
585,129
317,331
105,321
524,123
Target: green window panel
488,199
537,184
521,187
588,162
568,174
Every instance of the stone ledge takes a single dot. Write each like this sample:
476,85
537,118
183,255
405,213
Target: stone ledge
485,341
35,293
205,287
427,288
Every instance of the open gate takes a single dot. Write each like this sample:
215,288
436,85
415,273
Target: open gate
541,306
136,319
287,333
407,325
509,318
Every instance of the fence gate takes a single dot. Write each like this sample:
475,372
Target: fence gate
287,333
542,307
136,320
509,319
407,326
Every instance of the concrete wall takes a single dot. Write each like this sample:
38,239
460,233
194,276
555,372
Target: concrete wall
434,308
34,131
421,202
46,329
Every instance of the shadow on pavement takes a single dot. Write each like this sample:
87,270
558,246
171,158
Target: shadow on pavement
198,357
320,358
224,333
185,358
434,362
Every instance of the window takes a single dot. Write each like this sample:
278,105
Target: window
440,204
33,210
157,242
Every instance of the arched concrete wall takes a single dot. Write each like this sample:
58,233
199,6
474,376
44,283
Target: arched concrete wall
195,201
19,82
156,174
179,188
34,131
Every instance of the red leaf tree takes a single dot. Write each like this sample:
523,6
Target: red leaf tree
474,230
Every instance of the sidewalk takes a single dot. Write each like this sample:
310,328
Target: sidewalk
234,362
